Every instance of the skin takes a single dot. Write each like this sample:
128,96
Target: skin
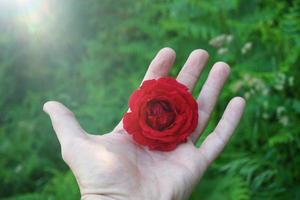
113,166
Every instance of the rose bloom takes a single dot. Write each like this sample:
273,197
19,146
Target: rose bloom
163,113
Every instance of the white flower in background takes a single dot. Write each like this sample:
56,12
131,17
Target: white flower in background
247,95
18,169
222,51
281,77
247,77
258,84
249,80
247,47
265,91
218,41
229,38
279,81
284,120
265,116
237,86
278,87
291,81
280,110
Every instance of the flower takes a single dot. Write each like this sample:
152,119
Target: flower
222,51
280,110
247,47
291,81
280,80
18,169
265,116
229,38
284,120
163,113
220,40
247,95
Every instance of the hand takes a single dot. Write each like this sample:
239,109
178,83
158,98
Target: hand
113,166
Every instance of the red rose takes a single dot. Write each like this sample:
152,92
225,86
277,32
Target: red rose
163,113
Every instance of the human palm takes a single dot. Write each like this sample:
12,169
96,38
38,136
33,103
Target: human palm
113,166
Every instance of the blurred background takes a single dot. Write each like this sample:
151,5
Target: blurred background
91,55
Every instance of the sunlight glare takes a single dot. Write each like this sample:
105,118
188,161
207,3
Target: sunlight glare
34,15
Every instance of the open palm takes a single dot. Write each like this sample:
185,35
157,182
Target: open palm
113,166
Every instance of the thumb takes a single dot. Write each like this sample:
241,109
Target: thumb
63,121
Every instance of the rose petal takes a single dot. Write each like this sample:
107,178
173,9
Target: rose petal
181,103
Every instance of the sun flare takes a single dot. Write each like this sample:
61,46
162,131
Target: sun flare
33,15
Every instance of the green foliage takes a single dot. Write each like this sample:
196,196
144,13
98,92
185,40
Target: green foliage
61,186
90,55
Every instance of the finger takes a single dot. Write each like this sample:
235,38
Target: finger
191,70
161,64
64,123
209,95
215,141
159,67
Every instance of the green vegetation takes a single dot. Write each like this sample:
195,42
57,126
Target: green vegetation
90,55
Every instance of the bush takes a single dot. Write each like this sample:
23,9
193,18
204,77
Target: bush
90,55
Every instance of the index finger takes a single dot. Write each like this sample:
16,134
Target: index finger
161,64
